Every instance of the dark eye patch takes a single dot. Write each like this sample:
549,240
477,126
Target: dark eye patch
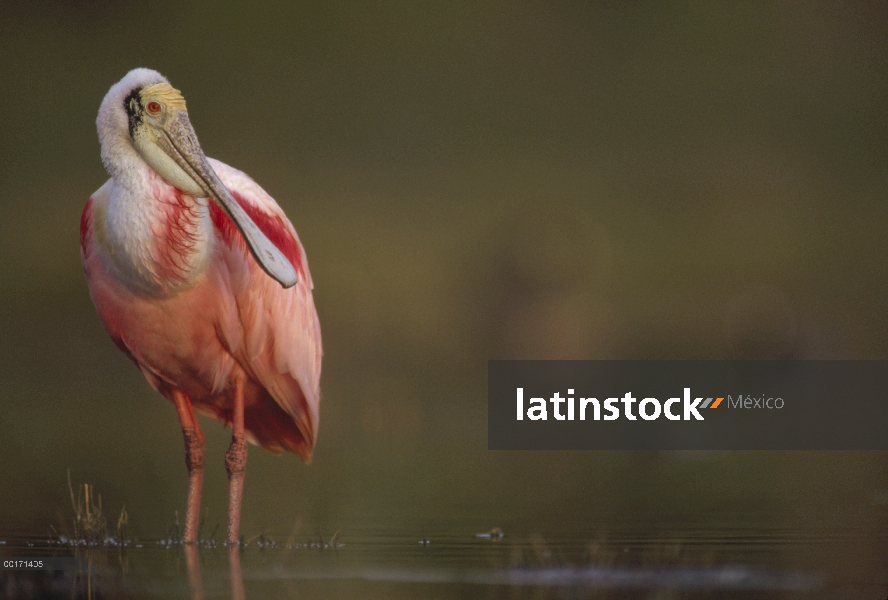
133,108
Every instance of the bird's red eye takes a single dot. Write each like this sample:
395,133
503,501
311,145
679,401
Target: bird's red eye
153,107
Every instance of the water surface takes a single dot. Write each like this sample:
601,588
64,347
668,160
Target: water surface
624,563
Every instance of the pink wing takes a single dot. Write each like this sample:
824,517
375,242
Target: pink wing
278,337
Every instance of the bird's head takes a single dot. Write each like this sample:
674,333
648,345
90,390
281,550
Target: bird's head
159,128
144,112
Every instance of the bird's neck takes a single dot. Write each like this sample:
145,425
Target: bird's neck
159,237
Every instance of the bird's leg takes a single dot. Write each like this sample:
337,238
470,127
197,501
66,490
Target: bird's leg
194,460
236,462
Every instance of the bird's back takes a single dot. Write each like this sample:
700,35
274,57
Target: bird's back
281,342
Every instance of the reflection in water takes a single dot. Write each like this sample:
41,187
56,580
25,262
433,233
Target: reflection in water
195,578
727,578
237,579
195,581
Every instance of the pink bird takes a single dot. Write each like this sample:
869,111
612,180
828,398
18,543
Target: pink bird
200,279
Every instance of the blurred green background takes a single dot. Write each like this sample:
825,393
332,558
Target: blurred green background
471,181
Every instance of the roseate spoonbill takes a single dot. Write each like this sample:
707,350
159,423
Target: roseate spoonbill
200,279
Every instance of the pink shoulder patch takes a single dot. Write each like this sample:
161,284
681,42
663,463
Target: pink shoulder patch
85,221
270,224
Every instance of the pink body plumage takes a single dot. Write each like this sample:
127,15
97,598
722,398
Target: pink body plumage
192,326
